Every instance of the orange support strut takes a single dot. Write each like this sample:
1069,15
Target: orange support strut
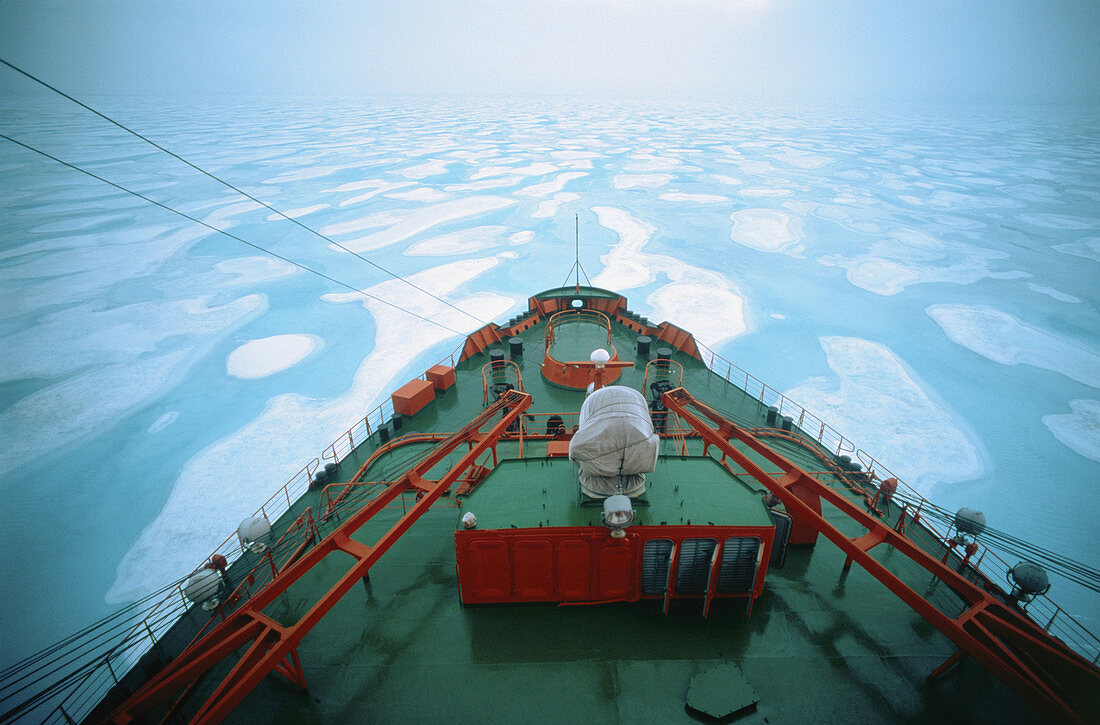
1039,667
272,644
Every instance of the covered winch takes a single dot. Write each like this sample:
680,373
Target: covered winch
615,445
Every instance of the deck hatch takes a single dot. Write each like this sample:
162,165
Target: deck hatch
656,555
693,568
740,555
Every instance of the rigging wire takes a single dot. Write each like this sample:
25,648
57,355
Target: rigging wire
80,660
211,227
995,539
238,190
1056,563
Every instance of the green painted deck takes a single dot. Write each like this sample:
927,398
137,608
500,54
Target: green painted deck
575,341
821,645
545,492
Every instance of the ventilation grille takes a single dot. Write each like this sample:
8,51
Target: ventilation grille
655,557
738,564
693,568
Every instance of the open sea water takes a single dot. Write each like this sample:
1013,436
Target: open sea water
925,279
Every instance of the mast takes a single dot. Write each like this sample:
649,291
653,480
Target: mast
577,258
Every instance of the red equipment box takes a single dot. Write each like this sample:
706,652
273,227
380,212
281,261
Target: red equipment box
412,397
441,376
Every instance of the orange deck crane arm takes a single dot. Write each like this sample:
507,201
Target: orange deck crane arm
1038,666
274,646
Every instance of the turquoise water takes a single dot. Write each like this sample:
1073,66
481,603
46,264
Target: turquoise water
925,279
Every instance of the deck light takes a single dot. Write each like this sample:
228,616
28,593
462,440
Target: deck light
576,304
203,588
254,533
618,513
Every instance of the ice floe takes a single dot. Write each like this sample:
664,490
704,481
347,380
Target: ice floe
80,223
1002,338
303,174
691,292
376,188
551,187
112,361
462,241
648,163
709,310
549,207
954,200
1060,221
1078,430
640,181
421,193
694,198
270,355
767,230
802,159
540,168
574,155
763,193
879,403
292,429
226,212
1089,248
297,213
435,167
71,270
251,270
373,184
519,238
164,421
1053,293
420,220
906,257
493,183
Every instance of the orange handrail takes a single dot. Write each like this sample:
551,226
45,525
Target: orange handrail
663,370
572,316
270,642
499,372
1009,644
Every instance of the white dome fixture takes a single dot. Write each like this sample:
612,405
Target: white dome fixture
203,588
968,523
1028,581
600,357
254,533
618,513
469,521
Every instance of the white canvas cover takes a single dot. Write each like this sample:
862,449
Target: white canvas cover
614,440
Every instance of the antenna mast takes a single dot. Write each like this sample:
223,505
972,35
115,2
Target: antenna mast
577,258
577,237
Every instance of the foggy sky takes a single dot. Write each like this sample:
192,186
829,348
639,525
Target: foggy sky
801,50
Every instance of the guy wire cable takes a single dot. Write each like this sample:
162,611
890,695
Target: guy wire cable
309,229
211,227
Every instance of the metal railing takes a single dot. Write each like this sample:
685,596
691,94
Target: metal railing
362,429
986,564
566,317
768,396
499,372
97,676
989,566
